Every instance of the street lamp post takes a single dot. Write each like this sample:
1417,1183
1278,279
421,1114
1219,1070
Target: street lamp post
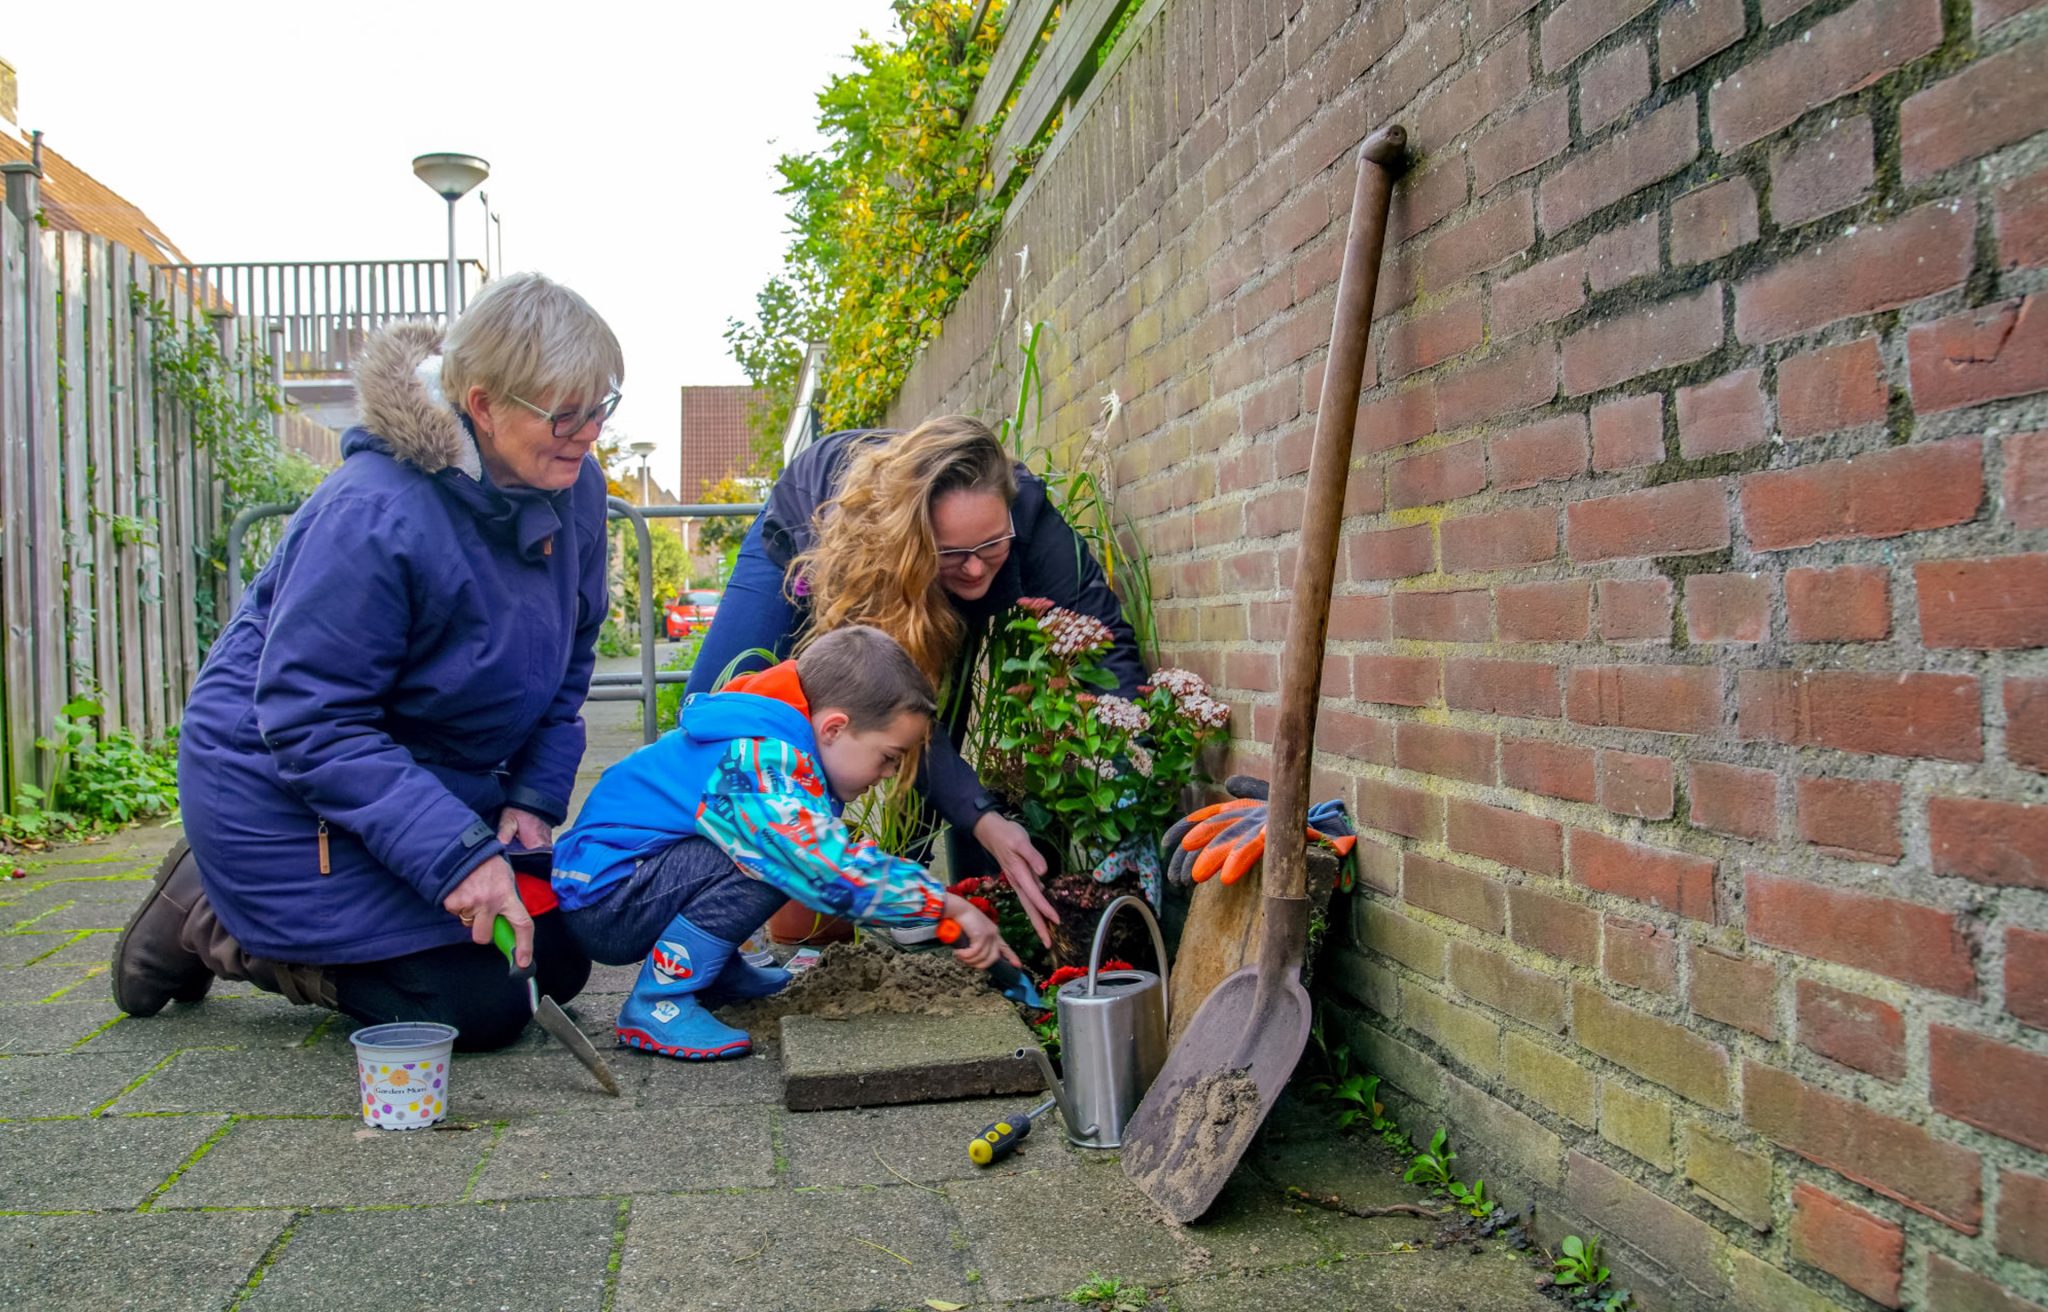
643,450
452,176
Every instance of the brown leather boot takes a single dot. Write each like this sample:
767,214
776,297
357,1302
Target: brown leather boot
210,942
152,965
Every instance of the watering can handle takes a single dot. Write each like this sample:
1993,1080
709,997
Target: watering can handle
1158,948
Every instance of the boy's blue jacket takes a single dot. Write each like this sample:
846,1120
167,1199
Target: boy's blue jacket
413,658
742,770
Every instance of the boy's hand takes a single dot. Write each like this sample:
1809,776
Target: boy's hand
984,946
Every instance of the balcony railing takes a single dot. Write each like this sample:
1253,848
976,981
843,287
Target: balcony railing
327,308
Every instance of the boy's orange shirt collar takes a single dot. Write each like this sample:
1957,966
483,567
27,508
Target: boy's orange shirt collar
779,682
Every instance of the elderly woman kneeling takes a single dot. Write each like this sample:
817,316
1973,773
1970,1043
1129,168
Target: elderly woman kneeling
396,705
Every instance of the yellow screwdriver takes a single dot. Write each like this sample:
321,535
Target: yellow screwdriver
995,1142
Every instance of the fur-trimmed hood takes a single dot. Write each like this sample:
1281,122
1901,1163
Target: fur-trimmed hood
417,424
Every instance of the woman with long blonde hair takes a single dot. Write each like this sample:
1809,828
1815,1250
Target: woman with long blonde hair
929,536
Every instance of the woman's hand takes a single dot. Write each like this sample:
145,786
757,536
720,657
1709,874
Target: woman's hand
1005,840
985,944
529,829
486,893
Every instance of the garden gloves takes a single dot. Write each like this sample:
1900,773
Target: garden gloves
1227,839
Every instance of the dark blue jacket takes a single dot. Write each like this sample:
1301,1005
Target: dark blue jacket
414,658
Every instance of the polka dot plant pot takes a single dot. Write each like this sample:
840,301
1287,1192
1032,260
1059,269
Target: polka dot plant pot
402,1073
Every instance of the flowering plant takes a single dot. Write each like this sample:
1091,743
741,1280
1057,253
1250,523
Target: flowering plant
1096,776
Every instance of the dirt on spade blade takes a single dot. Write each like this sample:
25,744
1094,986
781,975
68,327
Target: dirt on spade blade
867,977
1212,1122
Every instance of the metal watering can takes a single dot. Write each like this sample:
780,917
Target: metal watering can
1113,1038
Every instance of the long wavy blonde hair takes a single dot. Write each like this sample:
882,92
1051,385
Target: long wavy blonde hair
874,558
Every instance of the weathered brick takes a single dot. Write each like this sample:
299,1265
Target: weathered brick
1392,553
1542,612
1433,336
1553,926
1552,769
1688,31
1471,1038
1635,1124
1658,877
1727,607
1933,715
1671,332
1851,603
1623,253
1904,940
1514,145
1649,151
2026,479
2023,1217
1490,16
1952,1288
1861,1033
1425,198
1862,1250
1640,956
1987,14
1406,811
1984,604
1898,1160
1509,380
1991,1085
1878,267
1996,101
1724,415
1464,616
1734,990
1682,1246
1557,1082
2021,212
1440,750
1730,1177
1352,618
1678,519
1477,243
2026,976
1628,433
1733,799
1712,221
1547,451
1542,293
2026,723
1830,171
1397,419
1444,474
1395,680
1498,78
1379,866
1576,26
1637,785
1998,843
1513,838
1491,978
1504,539
1661,698
1853,818
1611,84
1384,930
1830,389
1659,1051
1844,52
1979,355
1907,489
1525,689
1503,1136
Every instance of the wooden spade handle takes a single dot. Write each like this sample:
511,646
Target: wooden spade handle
1329,466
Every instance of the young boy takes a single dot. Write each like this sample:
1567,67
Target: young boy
689,844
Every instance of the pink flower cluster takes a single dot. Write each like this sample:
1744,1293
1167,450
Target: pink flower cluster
1116,713
1205,710
1181,683
1074,634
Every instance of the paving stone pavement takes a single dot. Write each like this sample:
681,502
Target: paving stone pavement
209,1158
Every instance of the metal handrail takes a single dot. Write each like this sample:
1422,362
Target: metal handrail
603,687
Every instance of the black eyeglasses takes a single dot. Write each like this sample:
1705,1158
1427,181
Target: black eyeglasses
988,553
568,423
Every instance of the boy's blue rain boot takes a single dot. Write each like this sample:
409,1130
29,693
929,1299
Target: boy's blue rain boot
743,981
664,1014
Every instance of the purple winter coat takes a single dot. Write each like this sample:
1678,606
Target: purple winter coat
414,658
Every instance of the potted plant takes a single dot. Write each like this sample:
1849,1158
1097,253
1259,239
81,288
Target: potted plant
1095,777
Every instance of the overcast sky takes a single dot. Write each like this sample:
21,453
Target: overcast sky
631,145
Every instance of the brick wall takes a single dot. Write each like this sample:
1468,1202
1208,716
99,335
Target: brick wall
1686,660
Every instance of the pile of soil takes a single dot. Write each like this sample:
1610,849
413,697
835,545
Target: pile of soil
867,977
1212,1122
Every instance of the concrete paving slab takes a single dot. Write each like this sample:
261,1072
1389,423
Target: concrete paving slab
329,1163
254,1024
925,1143
1253,1226
29,1028
496,1085
189,1262
671,1083
75,912
632,1152
546,1257
20,949
95,948
69,1085
611,979
34,983
1425,1281
280,1082
872,1061
801,1251
1353,1170
113,1162
1030,1241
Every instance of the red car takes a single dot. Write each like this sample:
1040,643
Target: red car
690,613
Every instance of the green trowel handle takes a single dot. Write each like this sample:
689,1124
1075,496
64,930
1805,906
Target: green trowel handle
502,936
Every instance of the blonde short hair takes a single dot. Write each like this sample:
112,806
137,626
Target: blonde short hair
531,337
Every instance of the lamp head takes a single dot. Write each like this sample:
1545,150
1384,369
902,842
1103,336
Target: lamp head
452,175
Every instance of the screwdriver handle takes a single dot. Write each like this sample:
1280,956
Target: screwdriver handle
1000,1138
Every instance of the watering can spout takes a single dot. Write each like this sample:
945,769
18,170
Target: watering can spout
1058,1091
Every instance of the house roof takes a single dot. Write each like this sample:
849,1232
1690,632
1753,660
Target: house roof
75,201
718,440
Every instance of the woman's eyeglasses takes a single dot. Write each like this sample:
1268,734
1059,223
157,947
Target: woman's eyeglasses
988,553
568,423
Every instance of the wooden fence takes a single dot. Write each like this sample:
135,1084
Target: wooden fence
108,508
